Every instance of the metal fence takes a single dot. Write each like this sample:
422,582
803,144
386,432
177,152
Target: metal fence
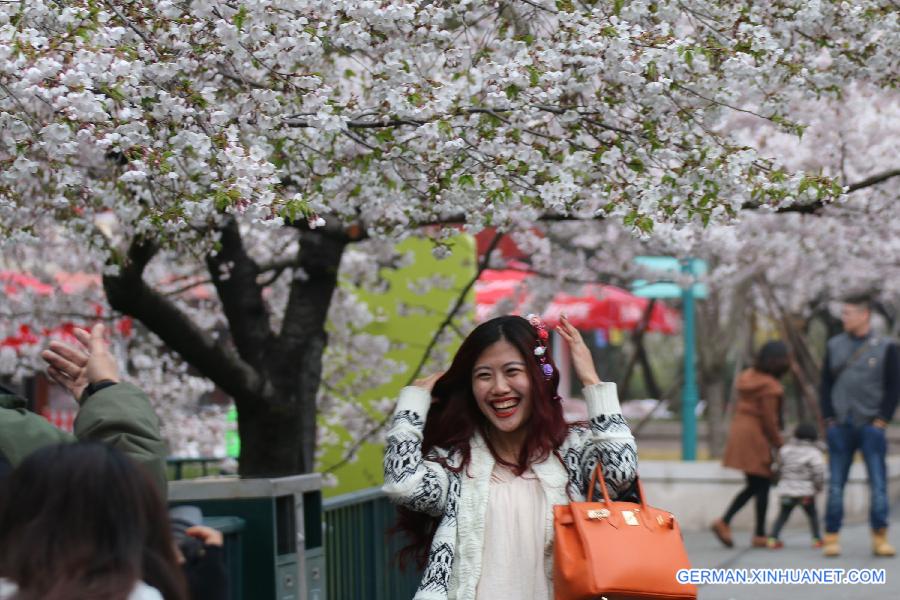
360,559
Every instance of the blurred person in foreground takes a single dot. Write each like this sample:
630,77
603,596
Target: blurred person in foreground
201,554
109,409
81,520
858,396
755,437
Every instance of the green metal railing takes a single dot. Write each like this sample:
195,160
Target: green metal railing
360,555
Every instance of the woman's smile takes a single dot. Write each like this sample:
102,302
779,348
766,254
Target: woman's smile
505,407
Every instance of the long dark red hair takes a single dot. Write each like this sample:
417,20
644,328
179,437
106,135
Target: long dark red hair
455,417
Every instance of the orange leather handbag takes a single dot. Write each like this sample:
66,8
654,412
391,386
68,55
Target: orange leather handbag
617,550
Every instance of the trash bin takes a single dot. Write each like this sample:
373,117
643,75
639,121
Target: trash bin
281,554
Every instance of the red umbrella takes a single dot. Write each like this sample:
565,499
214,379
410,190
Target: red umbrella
594,307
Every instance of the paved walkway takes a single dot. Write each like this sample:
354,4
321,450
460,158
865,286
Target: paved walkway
705,551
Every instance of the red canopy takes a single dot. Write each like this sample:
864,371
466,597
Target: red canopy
12,283
594,307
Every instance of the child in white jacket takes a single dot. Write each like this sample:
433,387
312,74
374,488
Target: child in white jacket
802,476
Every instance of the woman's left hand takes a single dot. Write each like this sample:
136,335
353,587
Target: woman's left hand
581,354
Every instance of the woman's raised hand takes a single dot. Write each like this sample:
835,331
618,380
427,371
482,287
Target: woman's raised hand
581,354
427,383
75,366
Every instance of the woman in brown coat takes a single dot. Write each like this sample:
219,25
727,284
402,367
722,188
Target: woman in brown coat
755,437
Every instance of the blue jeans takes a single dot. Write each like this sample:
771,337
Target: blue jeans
843,442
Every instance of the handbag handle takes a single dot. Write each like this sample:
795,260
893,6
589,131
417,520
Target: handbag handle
599,472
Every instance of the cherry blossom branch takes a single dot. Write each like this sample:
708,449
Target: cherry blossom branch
128,293
361,123
538,6
150,45
187,287
873,180
815,207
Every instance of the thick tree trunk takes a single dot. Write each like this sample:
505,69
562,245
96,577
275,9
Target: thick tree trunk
271,445
278,428
273,377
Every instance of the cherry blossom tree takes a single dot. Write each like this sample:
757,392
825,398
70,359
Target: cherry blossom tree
248,145
783,267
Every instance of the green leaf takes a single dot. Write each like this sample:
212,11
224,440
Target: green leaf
645,224
199,100
512,91
534,75
221,200
113,93
294,210
84,32
239,17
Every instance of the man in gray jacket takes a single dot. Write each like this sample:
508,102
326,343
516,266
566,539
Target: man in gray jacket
860,385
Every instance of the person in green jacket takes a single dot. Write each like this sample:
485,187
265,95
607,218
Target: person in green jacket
110,411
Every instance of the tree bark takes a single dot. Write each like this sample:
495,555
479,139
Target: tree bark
129,294
270,437
293,365
802,363
716,394
273,378
719,333
639,355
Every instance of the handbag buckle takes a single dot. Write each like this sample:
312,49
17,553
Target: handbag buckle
666,521
629,517
594,515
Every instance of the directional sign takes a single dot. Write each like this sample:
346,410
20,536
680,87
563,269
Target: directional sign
670,270
665,286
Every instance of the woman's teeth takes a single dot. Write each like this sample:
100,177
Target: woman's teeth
505,404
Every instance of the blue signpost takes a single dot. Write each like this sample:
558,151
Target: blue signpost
666,288
689,390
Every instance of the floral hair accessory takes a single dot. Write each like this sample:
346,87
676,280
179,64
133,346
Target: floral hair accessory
540,351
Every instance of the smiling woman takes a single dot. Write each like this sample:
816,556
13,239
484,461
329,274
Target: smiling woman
502,390
476,458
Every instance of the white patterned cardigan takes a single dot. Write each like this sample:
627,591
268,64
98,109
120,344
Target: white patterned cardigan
460,499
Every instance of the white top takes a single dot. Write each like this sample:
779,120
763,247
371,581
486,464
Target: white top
141,591
512,566
460,500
